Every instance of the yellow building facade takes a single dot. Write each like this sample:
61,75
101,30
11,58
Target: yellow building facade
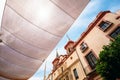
67,67
100,32
80,61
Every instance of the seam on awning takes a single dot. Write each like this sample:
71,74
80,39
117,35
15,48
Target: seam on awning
62,9
15,64
33,23
23,40
21,52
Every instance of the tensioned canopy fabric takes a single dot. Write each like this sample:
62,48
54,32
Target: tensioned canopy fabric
30,31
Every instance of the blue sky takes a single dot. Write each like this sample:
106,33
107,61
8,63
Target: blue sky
79,26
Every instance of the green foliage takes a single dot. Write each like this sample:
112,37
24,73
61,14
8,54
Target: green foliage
108,65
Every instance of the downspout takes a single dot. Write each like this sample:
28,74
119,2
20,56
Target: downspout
81,63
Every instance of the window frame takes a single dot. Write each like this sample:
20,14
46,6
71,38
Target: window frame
114,32
75,74
90,60
104,25
67,77
83,47
62,69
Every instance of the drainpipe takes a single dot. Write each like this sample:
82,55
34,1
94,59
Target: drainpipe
81,65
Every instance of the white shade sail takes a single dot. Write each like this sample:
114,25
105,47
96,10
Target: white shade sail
30,31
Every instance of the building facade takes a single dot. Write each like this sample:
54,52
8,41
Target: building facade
80,61
100,32
67,67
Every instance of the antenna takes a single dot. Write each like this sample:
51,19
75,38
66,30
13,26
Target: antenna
68,37
57,54
45,72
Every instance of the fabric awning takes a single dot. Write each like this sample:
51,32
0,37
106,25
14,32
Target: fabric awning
30,31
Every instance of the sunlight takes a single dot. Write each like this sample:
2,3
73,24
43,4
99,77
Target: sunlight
45,13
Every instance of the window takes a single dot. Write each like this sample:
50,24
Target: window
67,78
91,60
83,47
75,73
70,49
104,25
61,69
115,33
